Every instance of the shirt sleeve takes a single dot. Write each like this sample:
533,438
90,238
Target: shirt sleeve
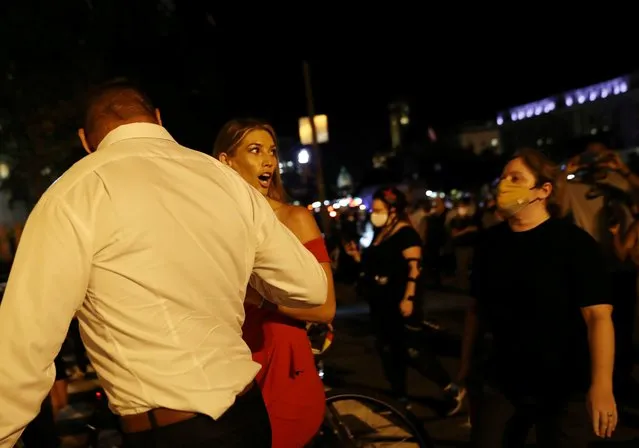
46,286
408,237
589,274
285,272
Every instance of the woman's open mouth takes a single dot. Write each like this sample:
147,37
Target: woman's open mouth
265,179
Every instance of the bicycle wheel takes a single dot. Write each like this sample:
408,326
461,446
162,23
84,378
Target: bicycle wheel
368,419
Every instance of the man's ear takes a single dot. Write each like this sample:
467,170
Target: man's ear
83,139
224,158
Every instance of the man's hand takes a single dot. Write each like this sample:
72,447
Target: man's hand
352,250
406,307
602,409
615,229
573,165
613,161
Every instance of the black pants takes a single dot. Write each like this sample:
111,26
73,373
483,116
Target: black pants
400,347
498,422
79,351
42,432
243,425
434,265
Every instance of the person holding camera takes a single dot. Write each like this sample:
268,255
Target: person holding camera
599,198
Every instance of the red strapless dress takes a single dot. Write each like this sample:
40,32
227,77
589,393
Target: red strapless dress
291,387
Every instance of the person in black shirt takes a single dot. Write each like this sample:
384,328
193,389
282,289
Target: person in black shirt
435,241
390,278
464,229
540,286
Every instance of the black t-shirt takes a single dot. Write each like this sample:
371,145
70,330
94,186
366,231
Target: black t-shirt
435,232
385,270
530,288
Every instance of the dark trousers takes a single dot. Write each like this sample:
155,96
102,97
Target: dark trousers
79,351
42,432
243,425
400,348
434,265
499,422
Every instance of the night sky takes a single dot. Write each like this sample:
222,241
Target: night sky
205,64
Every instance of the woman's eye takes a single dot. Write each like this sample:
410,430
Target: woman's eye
254,149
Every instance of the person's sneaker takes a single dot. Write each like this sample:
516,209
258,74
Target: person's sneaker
456,395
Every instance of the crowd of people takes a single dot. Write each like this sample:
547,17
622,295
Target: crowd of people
191,280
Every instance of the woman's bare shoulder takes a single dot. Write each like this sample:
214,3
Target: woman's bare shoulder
301,222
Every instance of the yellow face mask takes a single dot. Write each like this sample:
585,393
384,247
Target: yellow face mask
513,198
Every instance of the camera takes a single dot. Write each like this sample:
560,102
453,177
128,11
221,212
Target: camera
594,172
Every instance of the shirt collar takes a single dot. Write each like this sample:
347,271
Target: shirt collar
135,130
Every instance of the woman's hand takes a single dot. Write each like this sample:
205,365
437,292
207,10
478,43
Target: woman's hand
353,251
406,307
602,409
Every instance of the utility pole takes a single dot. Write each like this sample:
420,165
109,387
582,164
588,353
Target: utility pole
319,173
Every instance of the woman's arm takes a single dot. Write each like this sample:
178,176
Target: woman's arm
413,256
601,340
303,225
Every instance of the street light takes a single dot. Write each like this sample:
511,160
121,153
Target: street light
318,130
306,130
5,170
303,157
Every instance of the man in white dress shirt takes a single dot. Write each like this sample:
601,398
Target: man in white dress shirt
152,244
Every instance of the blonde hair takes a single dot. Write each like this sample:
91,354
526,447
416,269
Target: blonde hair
231,136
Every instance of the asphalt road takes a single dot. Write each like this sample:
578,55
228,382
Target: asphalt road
352,362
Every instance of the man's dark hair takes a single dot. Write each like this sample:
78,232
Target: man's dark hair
117,99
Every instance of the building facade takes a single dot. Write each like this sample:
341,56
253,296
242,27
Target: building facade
560,121
480,137
399,115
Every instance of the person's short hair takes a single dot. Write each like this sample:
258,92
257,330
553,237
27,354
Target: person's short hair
113,87
544,171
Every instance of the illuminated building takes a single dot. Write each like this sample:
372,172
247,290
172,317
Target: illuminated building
399,119
479,137
610,107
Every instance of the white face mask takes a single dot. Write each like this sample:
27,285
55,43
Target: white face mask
378,219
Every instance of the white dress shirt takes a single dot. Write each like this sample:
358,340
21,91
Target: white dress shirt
153,245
